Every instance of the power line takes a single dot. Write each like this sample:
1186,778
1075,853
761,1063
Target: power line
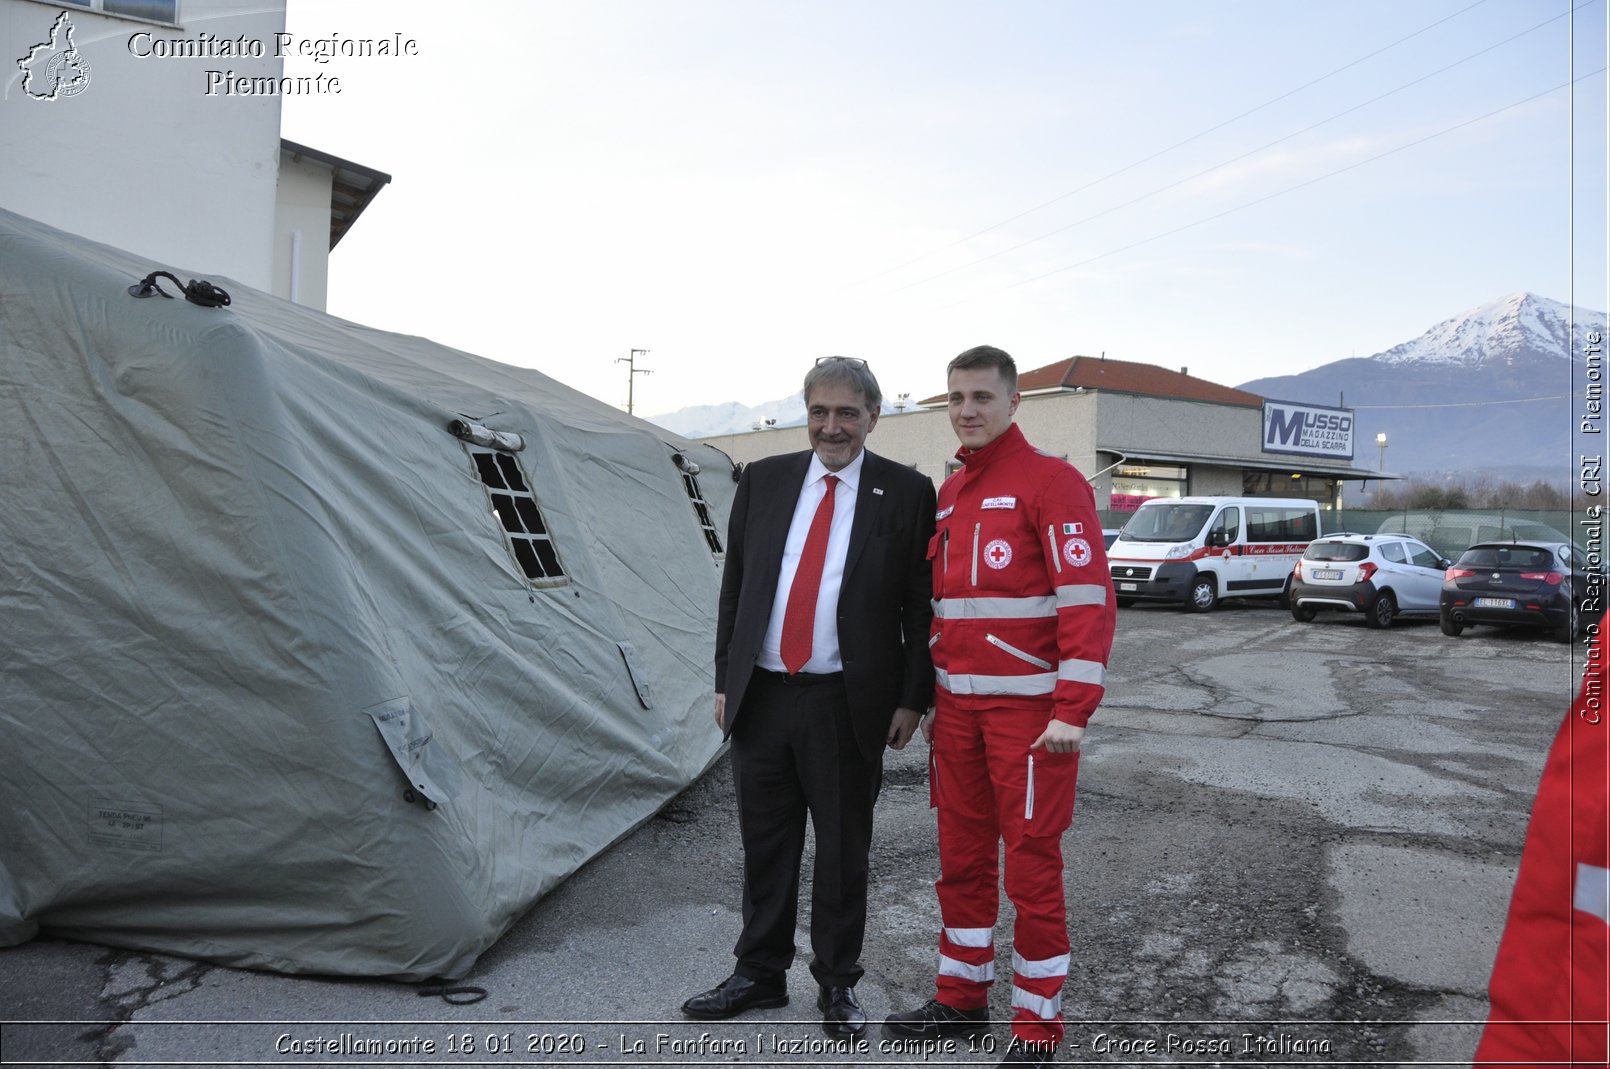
1236,159
1289,189
1165,151
1464,404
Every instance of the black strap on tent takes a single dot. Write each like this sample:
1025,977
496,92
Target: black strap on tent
454,994
196,291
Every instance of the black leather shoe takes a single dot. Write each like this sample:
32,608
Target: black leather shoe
1035,1054
737,994
935,1019
842,1016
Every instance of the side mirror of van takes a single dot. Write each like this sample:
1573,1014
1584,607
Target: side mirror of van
1218,538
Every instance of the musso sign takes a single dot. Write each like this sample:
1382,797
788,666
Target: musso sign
1308,430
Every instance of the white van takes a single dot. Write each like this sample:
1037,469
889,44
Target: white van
1196,550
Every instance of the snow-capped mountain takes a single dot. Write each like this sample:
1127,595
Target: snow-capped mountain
1521,323
702,421
1490,391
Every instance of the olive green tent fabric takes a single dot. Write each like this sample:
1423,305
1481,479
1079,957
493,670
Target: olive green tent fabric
294,674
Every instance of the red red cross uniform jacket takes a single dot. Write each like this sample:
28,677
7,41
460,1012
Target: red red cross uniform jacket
1550,982
1023,625
1022,596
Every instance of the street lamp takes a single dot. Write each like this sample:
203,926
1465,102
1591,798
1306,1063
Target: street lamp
1380,442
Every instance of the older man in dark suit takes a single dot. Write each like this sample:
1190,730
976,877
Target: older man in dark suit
821,661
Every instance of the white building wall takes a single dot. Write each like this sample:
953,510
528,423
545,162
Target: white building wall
143,158
302,233
1131,421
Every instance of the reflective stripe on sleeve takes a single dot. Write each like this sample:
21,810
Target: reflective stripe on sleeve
1081,594
1092,672
1037,608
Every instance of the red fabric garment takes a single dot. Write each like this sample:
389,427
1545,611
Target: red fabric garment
1550,981
990,788
1024,610
799,620
1023,624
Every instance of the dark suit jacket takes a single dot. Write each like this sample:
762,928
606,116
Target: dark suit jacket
885,604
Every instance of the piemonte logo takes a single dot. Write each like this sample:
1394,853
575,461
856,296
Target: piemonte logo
53,69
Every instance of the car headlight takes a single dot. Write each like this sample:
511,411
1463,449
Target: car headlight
1178,553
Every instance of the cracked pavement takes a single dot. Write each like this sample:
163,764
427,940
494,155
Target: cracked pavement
1286,834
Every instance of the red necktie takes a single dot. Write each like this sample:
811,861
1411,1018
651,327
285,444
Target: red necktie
799,619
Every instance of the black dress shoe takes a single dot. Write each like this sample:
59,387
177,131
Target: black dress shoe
1032,1054
737,994
934,1019
842,1016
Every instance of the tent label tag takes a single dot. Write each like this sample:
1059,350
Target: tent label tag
132,825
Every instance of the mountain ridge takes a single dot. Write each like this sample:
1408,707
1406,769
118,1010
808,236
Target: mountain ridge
1491,390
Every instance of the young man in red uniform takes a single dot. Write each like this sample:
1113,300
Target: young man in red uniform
1023,624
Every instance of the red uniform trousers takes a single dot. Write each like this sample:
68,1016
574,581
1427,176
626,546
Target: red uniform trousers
989,788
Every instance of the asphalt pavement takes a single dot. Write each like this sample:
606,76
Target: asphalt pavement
1293,844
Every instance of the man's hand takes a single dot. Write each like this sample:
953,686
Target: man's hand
928,727
1059,736
721,712
902,727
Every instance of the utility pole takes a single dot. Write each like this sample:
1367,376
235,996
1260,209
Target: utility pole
632,371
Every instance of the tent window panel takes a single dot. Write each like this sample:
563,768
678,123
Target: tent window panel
548,558
503,505
701,512
528,559
519,514
529,515
486,466
511,472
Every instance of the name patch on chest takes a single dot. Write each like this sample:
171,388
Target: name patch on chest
999,503
942,513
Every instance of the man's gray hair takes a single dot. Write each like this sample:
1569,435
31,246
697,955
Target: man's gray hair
845,371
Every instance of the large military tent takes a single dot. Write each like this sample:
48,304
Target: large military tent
323,649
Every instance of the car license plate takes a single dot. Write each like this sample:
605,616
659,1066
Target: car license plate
1327,573
1494,603
1127,586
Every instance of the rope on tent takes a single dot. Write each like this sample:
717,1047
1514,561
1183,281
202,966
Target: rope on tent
453,994
196,291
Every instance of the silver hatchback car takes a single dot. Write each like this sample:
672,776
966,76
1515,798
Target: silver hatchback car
1382,576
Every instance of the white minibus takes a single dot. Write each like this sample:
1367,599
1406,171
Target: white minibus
1196,550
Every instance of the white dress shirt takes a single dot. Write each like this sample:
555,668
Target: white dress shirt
825,639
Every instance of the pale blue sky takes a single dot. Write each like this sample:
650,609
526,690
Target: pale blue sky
741,187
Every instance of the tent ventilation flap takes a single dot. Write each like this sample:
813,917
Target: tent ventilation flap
485,437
